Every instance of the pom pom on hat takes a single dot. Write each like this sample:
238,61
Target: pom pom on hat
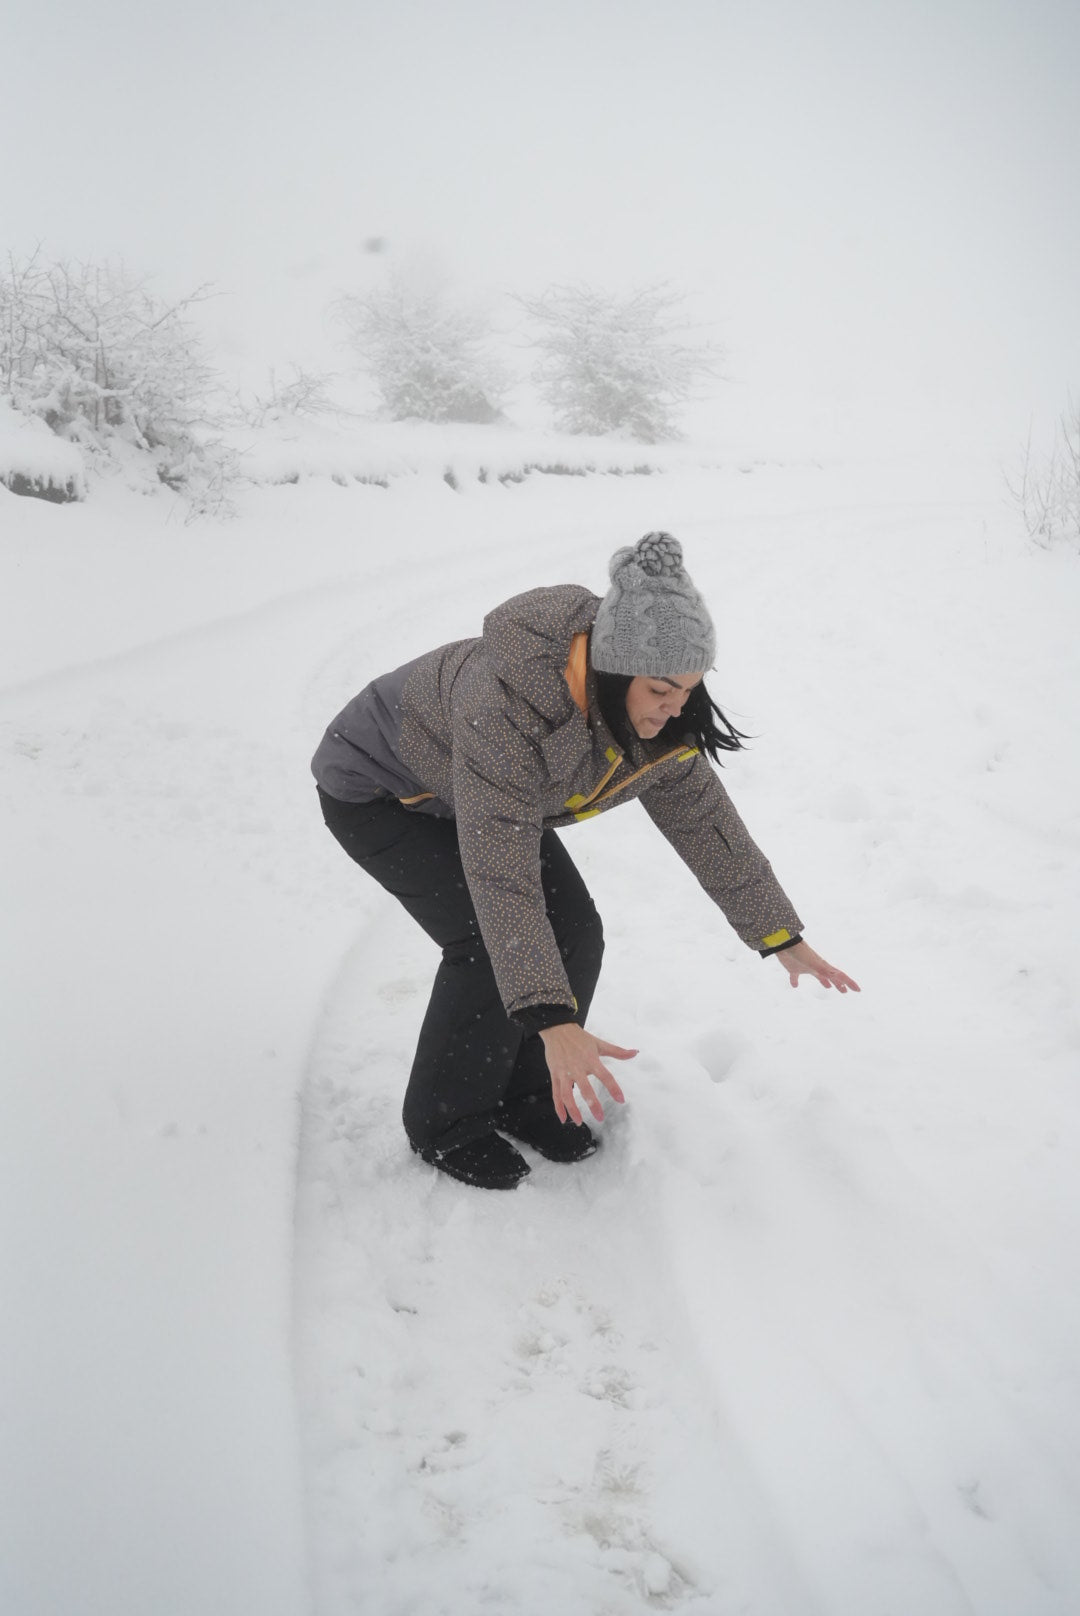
650,557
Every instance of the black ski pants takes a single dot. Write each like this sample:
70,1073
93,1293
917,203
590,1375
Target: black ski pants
471,1057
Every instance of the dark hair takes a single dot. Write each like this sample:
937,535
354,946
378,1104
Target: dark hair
701,723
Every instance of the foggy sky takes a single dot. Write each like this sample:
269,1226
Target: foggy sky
869,199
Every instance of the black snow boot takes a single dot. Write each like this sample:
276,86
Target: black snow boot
490,1163
534,1122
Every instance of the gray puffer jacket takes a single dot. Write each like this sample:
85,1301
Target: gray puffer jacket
505,734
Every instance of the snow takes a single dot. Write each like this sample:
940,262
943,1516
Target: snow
380,453
28,449
802,1336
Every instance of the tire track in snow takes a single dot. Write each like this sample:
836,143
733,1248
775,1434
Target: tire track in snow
423,578
264,613
501,1402
207,731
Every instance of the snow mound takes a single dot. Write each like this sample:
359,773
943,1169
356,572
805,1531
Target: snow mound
34,461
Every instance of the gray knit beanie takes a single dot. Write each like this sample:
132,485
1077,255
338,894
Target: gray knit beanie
652,621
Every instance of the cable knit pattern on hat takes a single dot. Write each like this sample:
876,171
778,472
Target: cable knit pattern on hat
652,621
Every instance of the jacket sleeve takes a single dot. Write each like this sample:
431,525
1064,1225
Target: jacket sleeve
692,809
497,777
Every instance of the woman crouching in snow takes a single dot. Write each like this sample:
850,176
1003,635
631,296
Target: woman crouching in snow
446,781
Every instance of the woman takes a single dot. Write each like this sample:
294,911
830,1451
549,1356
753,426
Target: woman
446,781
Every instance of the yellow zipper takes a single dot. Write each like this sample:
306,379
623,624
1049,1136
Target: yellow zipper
579,805
577,800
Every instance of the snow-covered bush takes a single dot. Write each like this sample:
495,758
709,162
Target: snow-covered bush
428,355
1047,487
98,357
34,461
617,364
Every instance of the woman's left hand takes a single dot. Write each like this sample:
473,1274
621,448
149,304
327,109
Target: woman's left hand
803,961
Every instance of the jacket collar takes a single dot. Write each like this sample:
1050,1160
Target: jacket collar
528,642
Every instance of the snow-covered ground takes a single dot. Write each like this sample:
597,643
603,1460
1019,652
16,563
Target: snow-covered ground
802,1338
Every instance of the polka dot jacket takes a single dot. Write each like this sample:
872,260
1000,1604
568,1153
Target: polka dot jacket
504,733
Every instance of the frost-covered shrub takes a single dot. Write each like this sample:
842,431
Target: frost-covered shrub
428,355
33,461
97,356
617,364
1047,487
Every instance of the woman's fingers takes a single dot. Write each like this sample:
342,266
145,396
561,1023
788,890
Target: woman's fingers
588,1094
562,1092
573,1059
831,977
803,961
566,1104
610,1083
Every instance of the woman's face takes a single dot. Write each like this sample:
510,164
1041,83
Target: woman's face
650,702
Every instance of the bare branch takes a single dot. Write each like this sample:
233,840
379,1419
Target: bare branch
1046,491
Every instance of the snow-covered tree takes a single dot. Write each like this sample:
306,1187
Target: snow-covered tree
428,355
96,355
617,364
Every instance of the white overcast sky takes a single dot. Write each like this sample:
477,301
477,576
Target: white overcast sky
869,196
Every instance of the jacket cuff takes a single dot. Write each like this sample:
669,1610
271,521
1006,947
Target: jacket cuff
535,1017
778,948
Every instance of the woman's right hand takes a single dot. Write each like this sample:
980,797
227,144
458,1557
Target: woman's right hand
573,1057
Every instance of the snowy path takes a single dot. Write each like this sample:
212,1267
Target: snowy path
501,1396
801,1339
742,1360
172,913
793,1299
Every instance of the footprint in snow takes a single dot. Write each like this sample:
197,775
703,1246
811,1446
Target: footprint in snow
719,1052
610,1514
